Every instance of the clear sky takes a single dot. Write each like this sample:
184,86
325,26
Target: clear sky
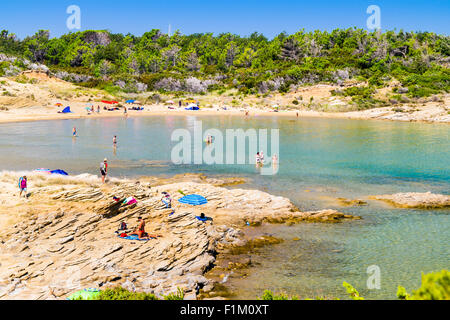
243,17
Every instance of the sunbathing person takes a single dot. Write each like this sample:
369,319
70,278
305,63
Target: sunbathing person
140,231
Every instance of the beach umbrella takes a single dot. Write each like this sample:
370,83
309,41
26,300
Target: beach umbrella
59,104
43,170
130,101
85,294
110,102
193,200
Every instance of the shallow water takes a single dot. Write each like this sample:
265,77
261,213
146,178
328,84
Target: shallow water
320,160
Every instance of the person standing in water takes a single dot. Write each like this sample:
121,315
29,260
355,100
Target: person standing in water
23,186
74,131
115,141
104,169
258,159
275,159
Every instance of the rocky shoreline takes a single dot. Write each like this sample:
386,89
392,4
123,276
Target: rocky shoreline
65,239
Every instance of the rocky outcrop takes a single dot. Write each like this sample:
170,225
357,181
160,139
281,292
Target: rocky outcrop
72,244
418,200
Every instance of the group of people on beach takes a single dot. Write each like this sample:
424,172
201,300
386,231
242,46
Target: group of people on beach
139,231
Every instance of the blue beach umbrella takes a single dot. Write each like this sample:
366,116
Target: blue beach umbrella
130,101
194,200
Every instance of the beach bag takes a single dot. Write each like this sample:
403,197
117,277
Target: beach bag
123,226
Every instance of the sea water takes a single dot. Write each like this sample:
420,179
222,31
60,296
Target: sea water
319,160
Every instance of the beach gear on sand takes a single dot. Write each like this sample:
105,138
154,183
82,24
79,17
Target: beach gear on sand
193,199
66,110
133,238
85,294
110,102
129,201
192,107
41,170
59,172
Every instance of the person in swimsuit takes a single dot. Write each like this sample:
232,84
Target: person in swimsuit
258,158
167,200
74,131
140,232
104,169
115,141
23,186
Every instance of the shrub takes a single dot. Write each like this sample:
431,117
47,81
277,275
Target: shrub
120,293
175,296
435,286
268,295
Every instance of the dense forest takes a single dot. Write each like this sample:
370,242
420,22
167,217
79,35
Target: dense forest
200,63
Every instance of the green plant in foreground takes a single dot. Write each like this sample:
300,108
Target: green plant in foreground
175,296
354,294
268,295
120,293
435,286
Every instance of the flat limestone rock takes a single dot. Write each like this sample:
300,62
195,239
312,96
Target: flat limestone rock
417,200
70,243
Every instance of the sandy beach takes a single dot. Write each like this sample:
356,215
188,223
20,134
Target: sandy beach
36,100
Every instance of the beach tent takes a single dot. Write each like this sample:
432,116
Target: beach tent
193,199
66,110
85,294
59,172
170,102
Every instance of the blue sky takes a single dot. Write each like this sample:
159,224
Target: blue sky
240,17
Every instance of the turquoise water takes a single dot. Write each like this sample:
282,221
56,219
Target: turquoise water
320,160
